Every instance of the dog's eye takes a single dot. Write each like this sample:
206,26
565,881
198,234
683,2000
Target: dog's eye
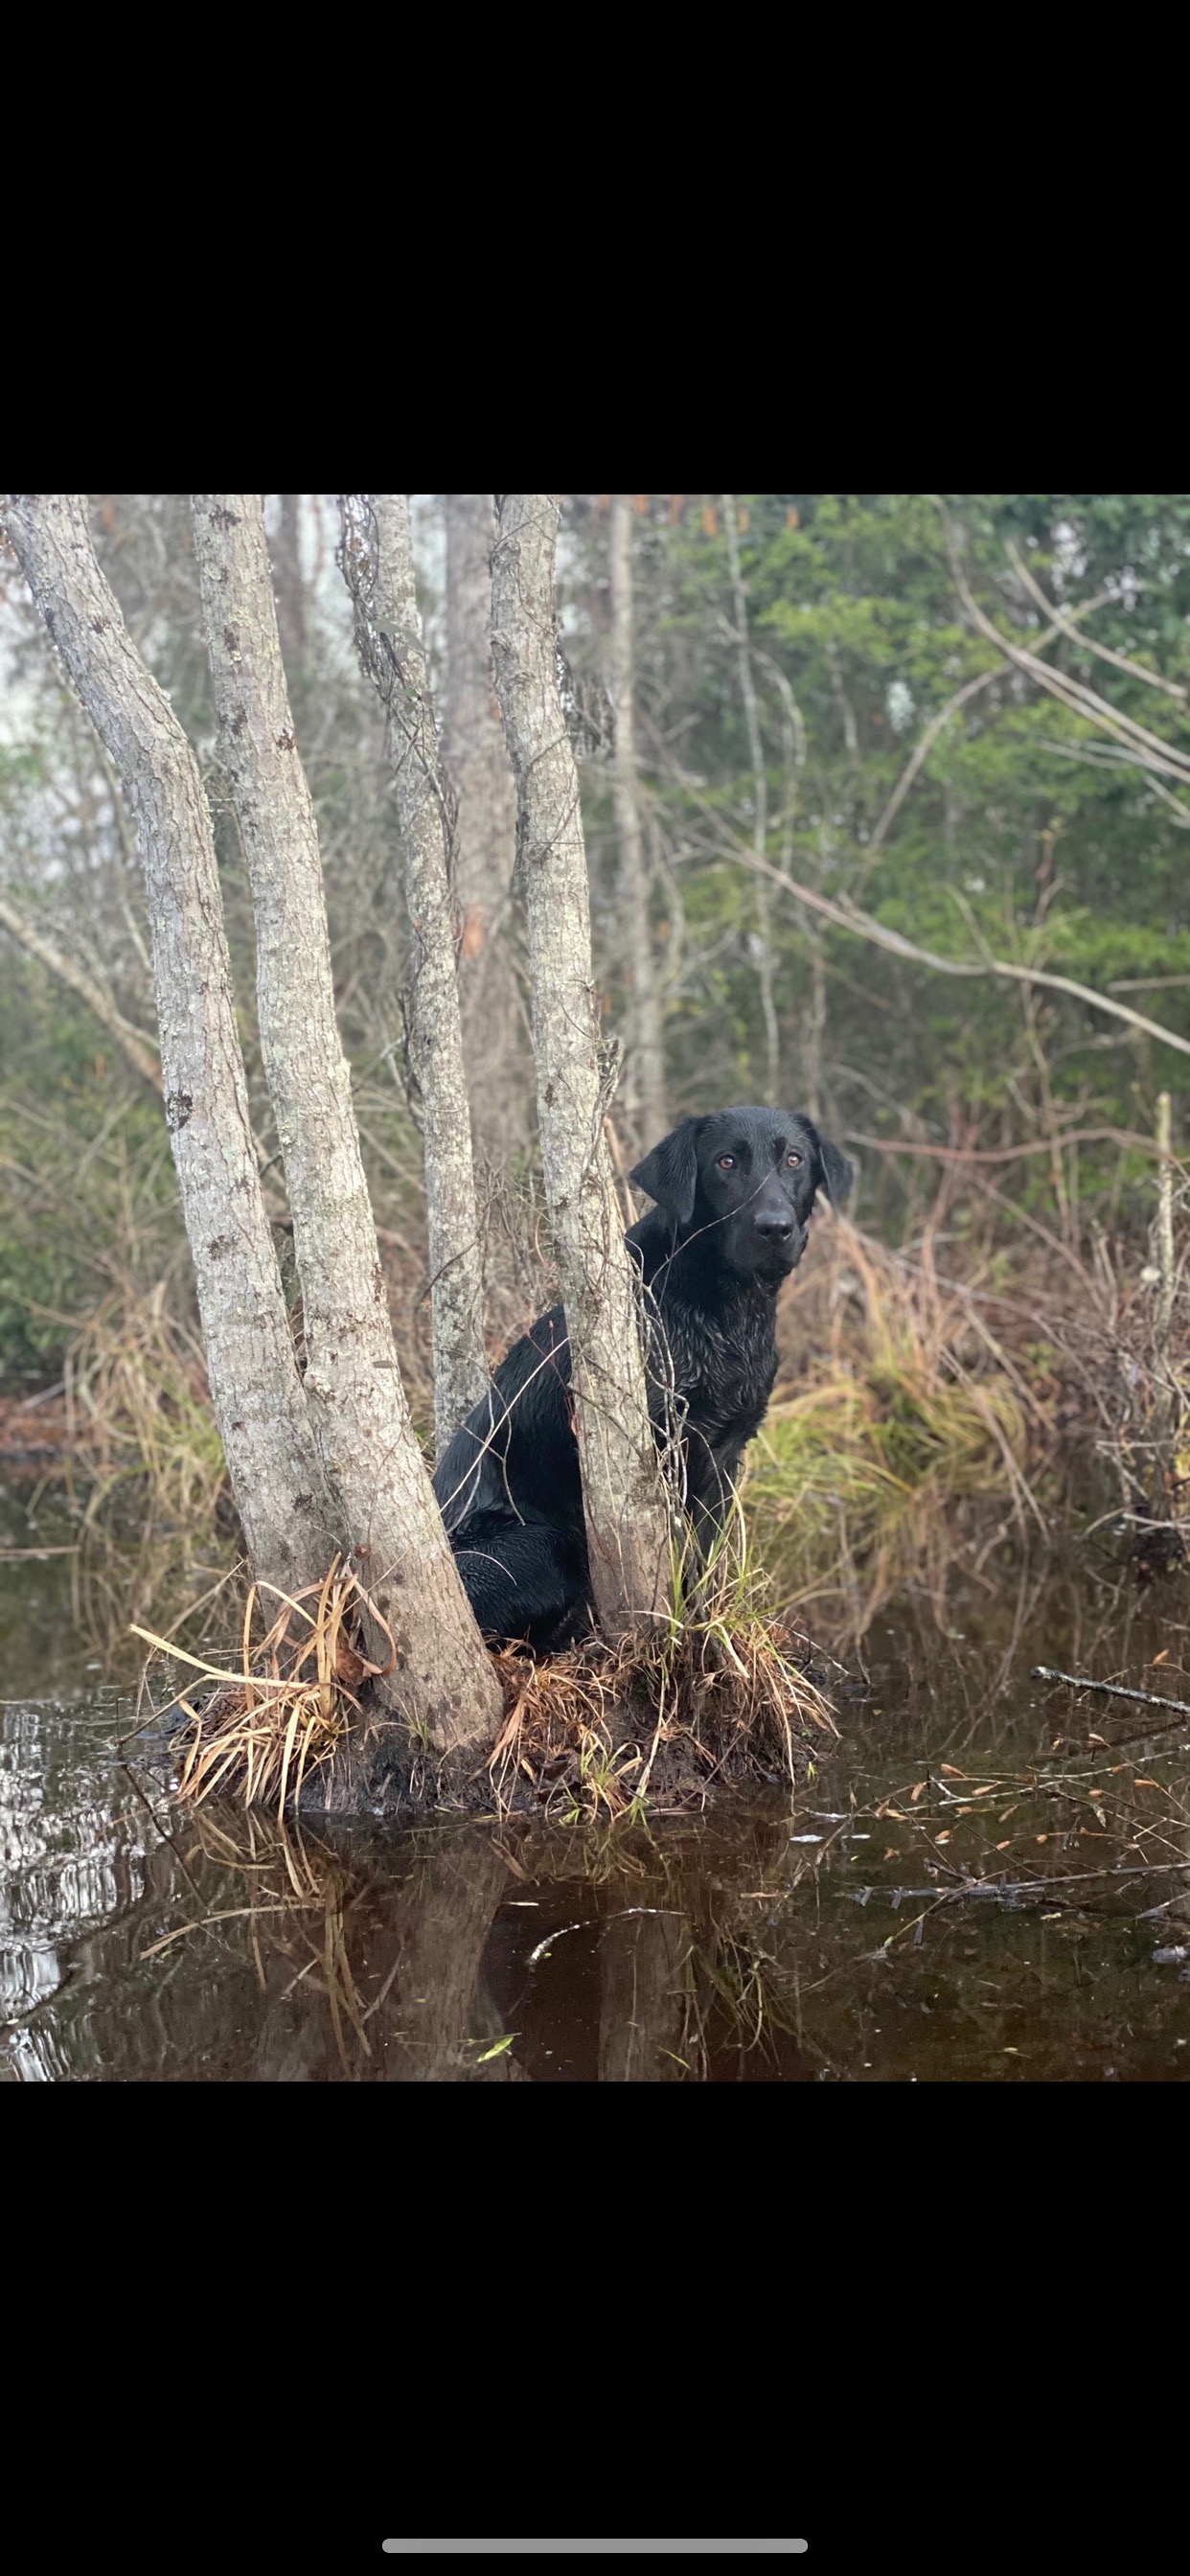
793,1160
727,1162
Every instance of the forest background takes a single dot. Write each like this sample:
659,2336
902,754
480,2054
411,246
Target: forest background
872,737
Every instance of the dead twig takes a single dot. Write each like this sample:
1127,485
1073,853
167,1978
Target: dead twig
1079,1681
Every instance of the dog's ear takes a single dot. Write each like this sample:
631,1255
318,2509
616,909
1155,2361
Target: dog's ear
670,1172
836,1173
833,1174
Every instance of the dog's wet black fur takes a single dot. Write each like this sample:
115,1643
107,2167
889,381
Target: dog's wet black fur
734,1194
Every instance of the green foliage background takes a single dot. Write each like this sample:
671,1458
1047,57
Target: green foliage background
1024,830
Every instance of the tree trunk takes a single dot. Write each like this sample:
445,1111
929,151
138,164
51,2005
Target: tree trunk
402,2000
760,810
378,569
495,1041
255,1388
627,1522
374,1468
645,1070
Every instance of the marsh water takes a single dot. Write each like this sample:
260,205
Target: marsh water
970,1887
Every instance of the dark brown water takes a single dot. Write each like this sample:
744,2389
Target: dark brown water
969,1889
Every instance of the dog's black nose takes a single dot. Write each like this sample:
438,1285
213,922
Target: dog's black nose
775,1229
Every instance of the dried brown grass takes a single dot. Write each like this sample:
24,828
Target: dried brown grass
722,1691
906,1396
289,1709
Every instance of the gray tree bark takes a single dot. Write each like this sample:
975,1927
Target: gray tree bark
495,1040
378,568
374,1468
257,1394
645,1070
626,1516
760,811
377,565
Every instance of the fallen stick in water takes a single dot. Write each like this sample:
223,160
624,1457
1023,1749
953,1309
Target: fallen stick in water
1116,1690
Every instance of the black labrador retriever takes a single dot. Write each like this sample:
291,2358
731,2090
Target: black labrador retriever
734,1193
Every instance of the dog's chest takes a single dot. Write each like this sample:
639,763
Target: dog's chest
723,1365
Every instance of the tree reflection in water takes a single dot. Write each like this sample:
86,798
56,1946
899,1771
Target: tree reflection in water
969,1889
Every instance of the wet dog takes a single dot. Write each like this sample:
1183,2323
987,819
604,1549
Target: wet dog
734,1194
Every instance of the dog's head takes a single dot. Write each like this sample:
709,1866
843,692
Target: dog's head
745,1180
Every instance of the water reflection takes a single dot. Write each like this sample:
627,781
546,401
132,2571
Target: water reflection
972,1888
71,1862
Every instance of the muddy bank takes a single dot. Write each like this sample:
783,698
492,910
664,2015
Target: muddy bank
590,1734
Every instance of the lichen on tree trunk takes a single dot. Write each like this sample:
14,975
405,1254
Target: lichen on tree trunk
626,1514
257,1394
390,1524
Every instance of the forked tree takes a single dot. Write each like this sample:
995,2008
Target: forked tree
331,1464
260,1407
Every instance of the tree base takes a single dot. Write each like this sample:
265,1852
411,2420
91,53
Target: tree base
601,1731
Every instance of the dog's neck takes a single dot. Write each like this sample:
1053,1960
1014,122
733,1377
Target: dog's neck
681,1265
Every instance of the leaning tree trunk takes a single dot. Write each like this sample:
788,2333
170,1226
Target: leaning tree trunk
378,568
374,1467
627,1520
495,1038
257,1394
645,1072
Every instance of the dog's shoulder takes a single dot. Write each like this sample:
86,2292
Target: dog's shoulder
548,1341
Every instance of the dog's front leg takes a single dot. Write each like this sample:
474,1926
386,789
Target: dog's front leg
711,1470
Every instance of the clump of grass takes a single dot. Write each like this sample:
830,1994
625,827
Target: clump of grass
140,1412
908,1406
290,1708
1127,1341
142,1467
722,1690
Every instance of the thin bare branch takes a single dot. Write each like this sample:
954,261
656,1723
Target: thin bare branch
938,724
137,1049
1062,619
877,933
1162,755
